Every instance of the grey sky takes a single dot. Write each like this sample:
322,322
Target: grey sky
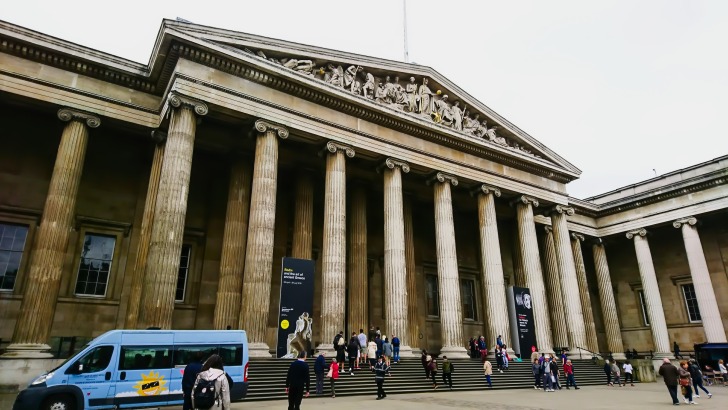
618,88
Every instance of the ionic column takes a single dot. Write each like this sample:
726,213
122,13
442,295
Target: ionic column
608,304
553,287
303,218
160,280
358,279
532,271
395,266
451,315
261,234
494,287
413,307
709,313
569,283
49,248
653,300
333,255
145,232
585,299
234,242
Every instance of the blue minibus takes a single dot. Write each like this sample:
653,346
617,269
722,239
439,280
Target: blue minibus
135,369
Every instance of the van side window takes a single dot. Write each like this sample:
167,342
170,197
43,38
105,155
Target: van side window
183,355
96,360
145,357
231,355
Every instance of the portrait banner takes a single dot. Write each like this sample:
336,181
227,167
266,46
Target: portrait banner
294,316
520,313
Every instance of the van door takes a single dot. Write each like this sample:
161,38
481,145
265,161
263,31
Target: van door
92,373
143,376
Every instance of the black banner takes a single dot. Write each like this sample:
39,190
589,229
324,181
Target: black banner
523,330
294,317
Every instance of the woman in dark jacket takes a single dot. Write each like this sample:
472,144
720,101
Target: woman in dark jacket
353,350
697,377
684,380
608,372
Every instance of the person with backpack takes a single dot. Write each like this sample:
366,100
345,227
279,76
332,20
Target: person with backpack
333,375
432,367
189,375
211,386
381,369
353,351
298,382
340,347
447,370
395,348
319,369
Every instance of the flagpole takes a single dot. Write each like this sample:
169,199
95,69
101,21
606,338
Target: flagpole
406,49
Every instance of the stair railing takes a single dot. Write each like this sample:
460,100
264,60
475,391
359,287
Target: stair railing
594,354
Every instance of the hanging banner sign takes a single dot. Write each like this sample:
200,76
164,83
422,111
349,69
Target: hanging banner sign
520,312
294,317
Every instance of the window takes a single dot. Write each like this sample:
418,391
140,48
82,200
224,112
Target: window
93,270
96,360
691,302
643,307
184,269
467,293
145,357
433,307
12,243
184,355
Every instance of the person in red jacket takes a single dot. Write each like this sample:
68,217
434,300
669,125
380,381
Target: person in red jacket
333,376
569,372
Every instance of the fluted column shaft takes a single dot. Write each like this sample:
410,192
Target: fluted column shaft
585,298
651,290
261,234
553,287
413,307
234,242
451,314
333,285
303,218
49,248
358,280
160,282
145,236
707,303
494,287
532,272
608,304
569,282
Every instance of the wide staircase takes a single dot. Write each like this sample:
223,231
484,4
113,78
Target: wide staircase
267,378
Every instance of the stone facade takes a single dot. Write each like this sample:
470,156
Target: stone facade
396,193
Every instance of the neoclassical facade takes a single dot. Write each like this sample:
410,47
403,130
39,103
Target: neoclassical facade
166,194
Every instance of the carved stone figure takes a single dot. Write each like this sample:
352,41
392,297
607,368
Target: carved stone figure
301,66
400,95
389,90
300,339
443,112
425,101
493,137
335,75
381,94
350,77
470,125
482,130
412,97
369,86
356,87
457,116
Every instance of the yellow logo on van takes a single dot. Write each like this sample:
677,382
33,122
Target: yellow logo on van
151,385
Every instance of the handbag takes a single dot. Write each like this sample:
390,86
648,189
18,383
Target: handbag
553,379
684,382
329,373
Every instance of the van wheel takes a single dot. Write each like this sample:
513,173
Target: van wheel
59,403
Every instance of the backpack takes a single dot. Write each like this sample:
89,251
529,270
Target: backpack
204,393
341,341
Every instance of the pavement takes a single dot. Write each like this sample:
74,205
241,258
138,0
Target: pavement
642,396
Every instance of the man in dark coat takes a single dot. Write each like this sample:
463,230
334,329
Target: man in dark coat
189,375
298,381
319,368
670,375
352,349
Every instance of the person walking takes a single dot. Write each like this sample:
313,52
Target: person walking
684,381
499,358
425,359
319,369
381,370
627,367
189,375
697,377
555,372
546,372
499,341
676,349
569,372
482,347
298,382
472,346
213,370
333,375
447,369
616,376
536,370
723,371
506,358
372,354
380,344
363,346
388,351
353,350
608,372
432,366
395,348
340,347
488,371
670,375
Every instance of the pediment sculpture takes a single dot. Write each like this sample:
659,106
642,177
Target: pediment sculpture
413,98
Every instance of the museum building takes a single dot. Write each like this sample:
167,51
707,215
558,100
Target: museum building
166,195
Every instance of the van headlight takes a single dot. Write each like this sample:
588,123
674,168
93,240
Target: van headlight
42,379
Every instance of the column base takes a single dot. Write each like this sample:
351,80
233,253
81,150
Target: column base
327,349
619,356
454,352
657,359
27,351
406,351
258,350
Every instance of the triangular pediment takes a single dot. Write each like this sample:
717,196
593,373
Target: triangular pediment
410,89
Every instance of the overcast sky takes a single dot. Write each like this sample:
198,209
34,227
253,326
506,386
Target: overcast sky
618,88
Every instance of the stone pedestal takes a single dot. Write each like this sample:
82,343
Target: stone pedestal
586,307
413,306
358,280
261,235
553,287
451,315
49,247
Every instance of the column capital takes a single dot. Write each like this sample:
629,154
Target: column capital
263,126
577,236
443,177
391,163
177,100
596,242
159,136
560,209
689,220
525,200
334,147
484,189
637,232
70,114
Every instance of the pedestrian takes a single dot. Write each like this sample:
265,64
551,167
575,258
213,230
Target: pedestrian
372,354
482,347
298,382
472,345
564,357
499,358
447,370
353,351
425,359
395,348
333,376
534,354
340,347
488,371
381,370
319,369
189,375
697,377
499,341
536,370
432,366
615,374
684,380
372,333
388,351
555,372
379,333
506,358
670,375
363,348
723,370
213,371
608,372
546,372
380,343
627,367
676,349
569,372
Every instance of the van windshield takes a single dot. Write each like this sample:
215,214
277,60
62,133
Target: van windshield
68,360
